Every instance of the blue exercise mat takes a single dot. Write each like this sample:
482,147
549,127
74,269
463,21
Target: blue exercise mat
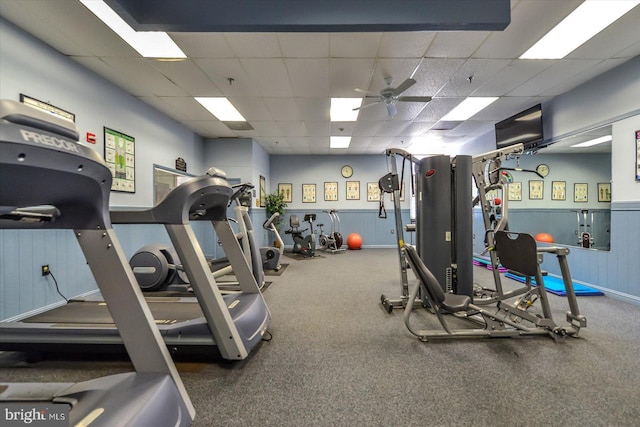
555,285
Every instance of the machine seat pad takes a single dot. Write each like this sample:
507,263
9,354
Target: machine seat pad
455,303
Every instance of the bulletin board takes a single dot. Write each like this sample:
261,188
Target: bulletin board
120,157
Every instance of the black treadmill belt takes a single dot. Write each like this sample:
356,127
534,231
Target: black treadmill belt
91,312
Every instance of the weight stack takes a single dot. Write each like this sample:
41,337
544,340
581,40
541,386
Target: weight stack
444,221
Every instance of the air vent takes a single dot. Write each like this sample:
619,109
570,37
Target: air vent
238,125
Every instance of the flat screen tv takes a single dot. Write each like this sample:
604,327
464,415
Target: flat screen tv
524,127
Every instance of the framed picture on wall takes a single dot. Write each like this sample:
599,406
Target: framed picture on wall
536,189
120,157
514,191
263,192
330,191
604,191
286,190
373,192
558,190
353,190
308,193
580,192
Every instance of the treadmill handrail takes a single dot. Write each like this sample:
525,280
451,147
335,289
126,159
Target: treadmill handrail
202,197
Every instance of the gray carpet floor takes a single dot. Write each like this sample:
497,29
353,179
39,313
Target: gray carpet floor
337,358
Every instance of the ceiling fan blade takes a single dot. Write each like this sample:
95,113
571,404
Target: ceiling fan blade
403,86
414,99
367,92
365,106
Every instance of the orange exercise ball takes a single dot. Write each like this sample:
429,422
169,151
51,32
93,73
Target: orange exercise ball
354,241
544,237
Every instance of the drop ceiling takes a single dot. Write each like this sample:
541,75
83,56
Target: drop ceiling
282,82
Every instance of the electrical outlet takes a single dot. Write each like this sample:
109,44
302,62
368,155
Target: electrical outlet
45,270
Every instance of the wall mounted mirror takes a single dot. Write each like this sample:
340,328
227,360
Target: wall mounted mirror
572,203
164,180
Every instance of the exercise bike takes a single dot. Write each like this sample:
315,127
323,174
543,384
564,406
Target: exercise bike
331,242
305,245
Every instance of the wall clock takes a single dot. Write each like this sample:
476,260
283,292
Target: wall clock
542,169
347,171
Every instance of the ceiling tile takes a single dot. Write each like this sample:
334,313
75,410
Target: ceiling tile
318,128
348,74
304,45
220,70
369,128
392,128
211,129
314,109
437,108
189,107
283,109
187,76
513,75
268,75
251,108
289,128
433,75
405,44
266,128
584,76
354,45
309,77
254,45
471,76
559,72
203,45
133,75
456,44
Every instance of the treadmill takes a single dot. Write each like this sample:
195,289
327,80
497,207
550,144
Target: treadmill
158,268
233,323
72,192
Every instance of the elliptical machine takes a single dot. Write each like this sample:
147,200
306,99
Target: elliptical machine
331,242
304,245
271,255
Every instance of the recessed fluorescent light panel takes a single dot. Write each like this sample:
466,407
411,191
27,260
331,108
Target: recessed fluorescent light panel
584,22
221,108
342,109
339,142
468,108
596,141
150,44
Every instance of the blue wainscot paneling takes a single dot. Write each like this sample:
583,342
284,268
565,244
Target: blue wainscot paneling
616,272
22,254
23,289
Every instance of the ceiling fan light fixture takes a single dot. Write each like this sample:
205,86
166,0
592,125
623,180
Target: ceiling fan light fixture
391,109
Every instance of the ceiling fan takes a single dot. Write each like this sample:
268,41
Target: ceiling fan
390,95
